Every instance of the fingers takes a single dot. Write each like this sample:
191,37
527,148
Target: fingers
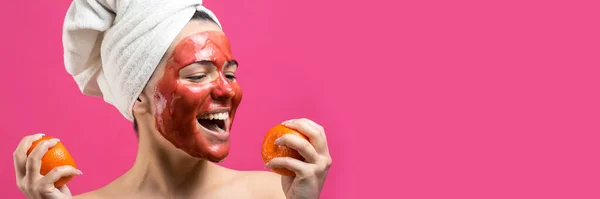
45,185
292,164
312,123
317,126
311,131
59,172
301,145
34,160
65,190
20,154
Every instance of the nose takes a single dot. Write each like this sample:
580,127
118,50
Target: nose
223,89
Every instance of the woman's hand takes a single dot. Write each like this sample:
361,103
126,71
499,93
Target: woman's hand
27,169
311,173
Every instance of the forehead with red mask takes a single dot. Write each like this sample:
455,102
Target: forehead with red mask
198,95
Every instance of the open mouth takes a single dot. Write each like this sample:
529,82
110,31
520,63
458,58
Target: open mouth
214,121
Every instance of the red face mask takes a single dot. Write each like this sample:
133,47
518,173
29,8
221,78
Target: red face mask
195,112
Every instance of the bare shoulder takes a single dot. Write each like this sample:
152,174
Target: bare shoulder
88,195
264,177
106,191
262,184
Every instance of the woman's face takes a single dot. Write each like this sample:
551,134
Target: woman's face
196,97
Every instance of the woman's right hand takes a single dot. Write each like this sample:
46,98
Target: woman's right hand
27,169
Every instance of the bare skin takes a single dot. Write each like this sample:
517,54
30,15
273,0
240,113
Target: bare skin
163,171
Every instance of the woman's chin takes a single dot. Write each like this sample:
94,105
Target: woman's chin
200,146
215,153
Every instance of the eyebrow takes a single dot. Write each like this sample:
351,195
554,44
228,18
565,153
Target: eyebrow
229,63
233,62
205,62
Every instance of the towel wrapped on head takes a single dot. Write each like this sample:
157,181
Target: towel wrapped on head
112,47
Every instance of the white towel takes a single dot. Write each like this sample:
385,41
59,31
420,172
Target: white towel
112,47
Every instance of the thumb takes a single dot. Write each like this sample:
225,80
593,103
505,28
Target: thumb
59,193
65,190
286,182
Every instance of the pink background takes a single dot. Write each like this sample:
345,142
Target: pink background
419,99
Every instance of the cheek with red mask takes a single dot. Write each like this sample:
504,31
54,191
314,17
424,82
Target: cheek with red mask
196,116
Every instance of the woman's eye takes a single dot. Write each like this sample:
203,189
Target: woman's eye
196,77
230,76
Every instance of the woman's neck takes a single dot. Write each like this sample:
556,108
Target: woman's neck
159,169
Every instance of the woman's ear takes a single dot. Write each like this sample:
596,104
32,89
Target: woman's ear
142,105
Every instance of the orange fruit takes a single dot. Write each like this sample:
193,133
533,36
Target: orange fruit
55,157
271,150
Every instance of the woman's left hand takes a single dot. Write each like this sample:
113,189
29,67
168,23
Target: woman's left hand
310,173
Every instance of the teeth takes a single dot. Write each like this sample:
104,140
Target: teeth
216,116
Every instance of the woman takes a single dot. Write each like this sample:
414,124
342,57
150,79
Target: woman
183,116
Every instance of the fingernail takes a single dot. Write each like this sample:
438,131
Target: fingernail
278,141
79,172
287,122
267,166
55,140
